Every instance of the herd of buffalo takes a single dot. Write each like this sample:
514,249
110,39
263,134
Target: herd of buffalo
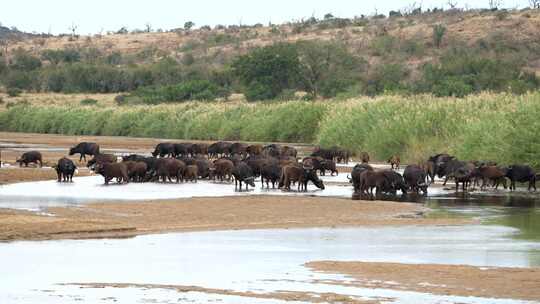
279,164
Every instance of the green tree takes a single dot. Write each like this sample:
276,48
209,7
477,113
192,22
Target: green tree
266,72
327,68
189,25
24,61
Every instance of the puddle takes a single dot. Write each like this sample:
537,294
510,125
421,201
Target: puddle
259,261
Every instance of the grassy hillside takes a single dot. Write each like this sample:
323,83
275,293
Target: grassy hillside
448,53
497,127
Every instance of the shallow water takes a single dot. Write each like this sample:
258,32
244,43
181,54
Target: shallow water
259,261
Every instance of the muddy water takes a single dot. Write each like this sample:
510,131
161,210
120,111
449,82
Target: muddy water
259,261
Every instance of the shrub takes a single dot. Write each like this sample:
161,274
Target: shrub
386,78
266,72
14,92
191,90
23,61
88,102
120,100
383,45
438,33
327,68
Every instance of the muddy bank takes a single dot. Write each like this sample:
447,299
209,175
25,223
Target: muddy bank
457,280
13,175
202,214
304,297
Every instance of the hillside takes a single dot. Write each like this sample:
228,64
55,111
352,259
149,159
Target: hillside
448,53
515,28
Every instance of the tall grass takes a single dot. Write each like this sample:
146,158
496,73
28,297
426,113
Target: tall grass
296,121
498,127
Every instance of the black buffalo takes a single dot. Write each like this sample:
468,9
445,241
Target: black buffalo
164,149
243,174
65,169
522,174
415,178
31,157
85,148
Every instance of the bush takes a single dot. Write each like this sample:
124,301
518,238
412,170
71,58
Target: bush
191,90
461,72
120,100
438,33
386,78
327,68
88,102
266,72
14,92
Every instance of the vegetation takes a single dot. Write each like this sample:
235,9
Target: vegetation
445,53
500,127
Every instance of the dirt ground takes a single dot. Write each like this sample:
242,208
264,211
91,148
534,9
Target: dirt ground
202,214
456,280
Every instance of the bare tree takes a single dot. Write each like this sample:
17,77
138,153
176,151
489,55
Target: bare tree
494,4
73,29
453,3
534,3
148,27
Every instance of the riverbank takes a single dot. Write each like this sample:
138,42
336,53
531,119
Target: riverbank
456,280
123,219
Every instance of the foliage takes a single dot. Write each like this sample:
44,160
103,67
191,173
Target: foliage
498,127
14,92
327,68
88,102
438,33
190,90
266,72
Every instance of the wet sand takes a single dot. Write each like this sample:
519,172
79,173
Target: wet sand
109,220
13,175
457,280
308,297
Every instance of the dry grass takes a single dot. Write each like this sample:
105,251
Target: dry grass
462,26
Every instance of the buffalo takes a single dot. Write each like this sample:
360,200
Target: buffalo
270,172
65,169
385,181
164,149
522,174
223,169
496,175
85,148
113,170
31,157
394,161
219,149
168,168
415,178
192,173
101,158
296,173
364,157
243,174
355,175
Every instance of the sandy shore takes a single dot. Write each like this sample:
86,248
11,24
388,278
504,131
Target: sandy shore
202,214
456,280
308,297
18,175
